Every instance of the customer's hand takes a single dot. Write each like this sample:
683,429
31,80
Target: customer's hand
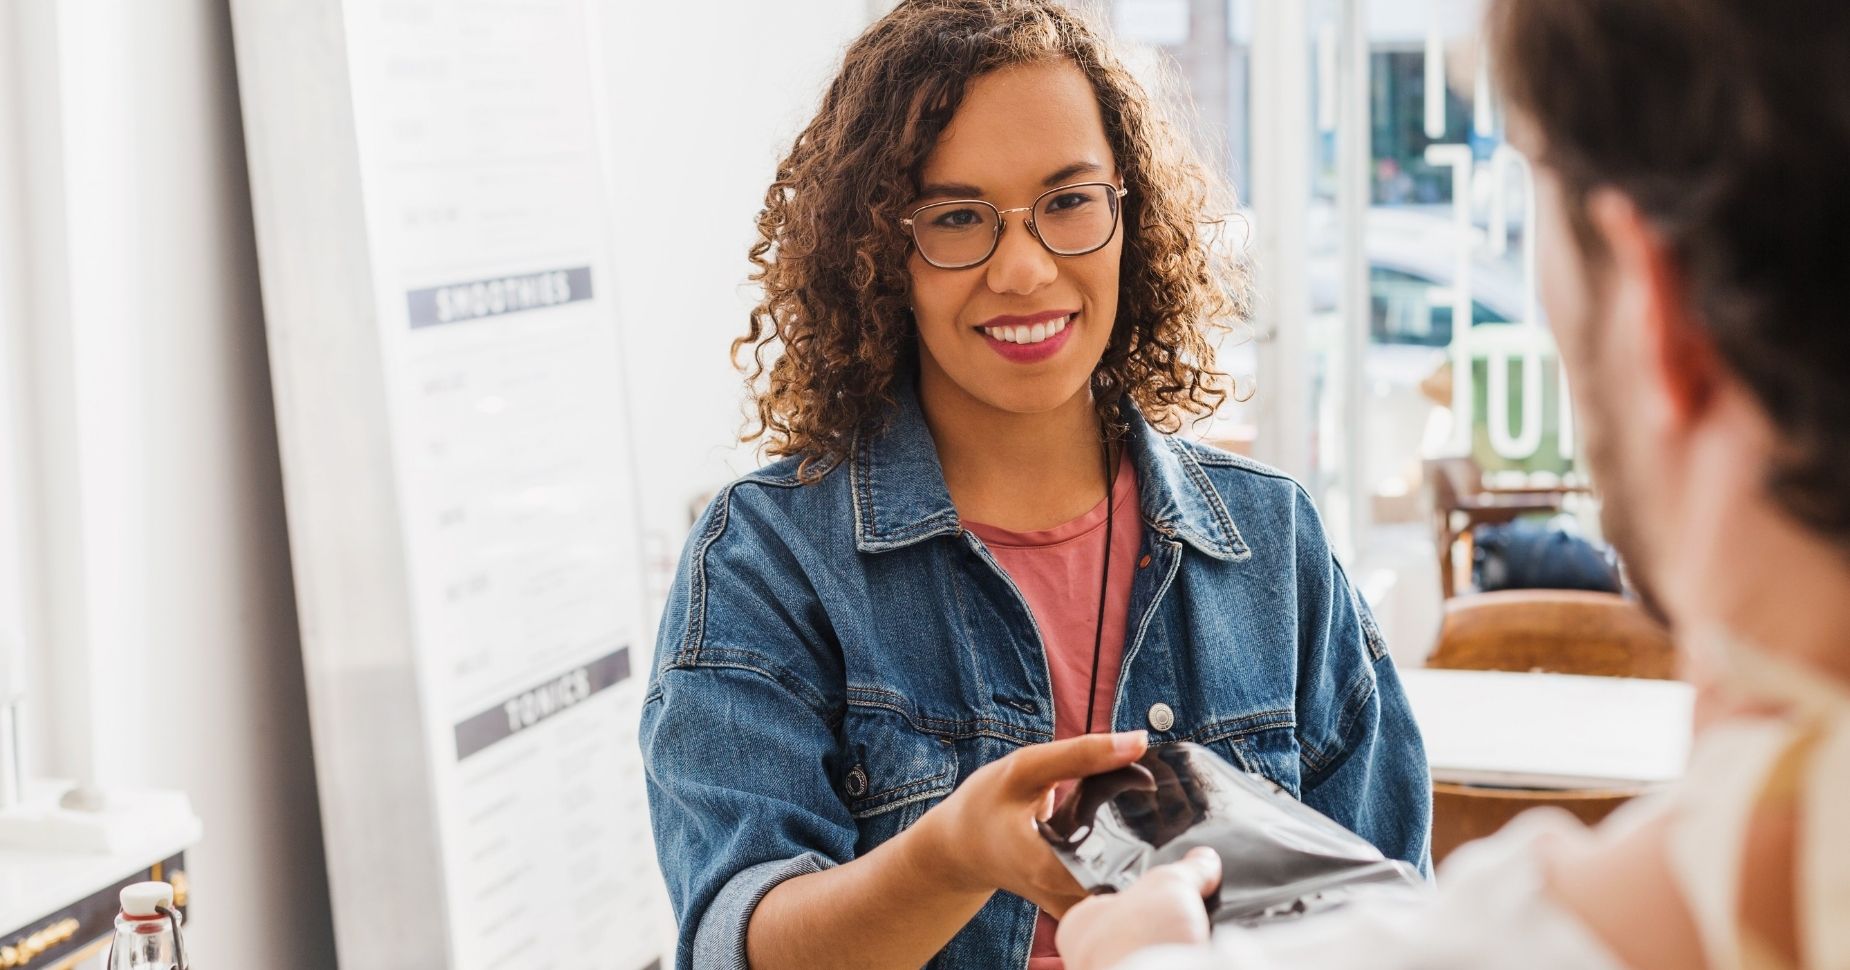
1163,907
982,837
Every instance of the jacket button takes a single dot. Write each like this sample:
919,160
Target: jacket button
1144,563
1161,717
857,781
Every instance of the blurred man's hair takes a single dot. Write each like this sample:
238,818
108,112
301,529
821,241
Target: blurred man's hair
1727,122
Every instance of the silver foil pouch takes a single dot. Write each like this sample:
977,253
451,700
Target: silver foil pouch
1280,858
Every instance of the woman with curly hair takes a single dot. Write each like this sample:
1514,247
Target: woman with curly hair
984,565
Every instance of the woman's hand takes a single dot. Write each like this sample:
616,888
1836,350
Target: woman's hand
982,837
1163,907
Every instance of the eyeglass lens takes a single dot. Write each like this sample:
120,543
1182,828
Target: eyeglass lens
1070,220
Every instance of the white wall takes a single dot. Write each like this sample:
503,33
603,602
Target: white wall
705,99
162,614
220,593
13,397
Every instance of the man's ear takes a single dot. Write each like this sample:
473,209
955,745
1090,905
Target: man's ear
1678,350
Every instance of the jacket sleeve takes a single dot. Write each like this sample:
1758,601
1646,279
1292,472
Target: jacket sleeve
739,735
1364,762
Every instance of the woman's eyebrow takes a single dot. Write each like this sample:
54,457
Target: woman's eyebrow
961,190
1066,174
950,190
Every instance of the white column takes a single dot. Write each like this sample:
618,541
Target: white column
1354,193
1281,119
13,401
80,341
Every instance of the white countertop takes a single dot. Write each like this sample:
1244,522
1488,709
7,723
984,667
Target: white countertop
1534,730
36,881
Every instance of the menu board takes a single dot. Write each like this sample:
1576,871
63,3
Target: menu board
434,228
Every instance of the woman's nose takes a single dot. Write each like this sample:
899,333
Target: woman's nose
1021,264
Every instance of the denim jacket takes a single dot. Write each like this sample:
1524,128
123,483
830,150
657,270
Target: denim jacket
835,657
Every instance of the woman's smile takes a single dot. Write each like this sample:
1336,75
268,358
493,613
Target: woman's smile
1030,339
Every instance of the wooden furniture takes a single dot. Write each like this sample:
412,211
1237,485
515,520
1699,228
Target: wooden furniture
1462,502
1465,813
1552,631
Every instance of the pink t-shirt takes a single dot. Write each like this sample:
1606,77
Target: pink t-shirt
1057,570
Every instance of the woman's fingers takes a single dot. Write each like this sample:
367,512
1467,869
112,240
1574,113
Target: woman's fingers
1034,769
1053,888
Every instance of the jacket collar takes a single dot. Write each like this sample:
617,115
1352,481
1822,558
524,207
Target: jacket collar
900,497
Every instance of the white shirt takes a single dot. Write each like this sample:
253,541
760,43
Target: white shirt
1492,912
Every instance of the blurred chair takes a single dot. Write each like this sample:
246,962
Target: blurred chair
1462,502
1550,631
1556,631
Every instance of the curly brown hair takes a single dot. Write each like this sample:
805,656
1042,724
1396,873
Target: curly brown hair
831,254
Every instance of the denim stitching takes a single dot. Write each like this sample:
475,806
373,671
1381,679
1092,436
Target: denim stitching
939,727
903,788
854,689
1355,697
732,658
954,730
1242,726
934,524
1034,624
1240,759
693,640
964,622
857,475
901,795
1232,543
902,803
1250,761
867,532
1149,613
1312,757
759,663
697,598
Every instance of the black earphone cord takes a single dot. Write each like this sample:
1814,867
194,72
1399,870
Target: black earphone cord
1104,582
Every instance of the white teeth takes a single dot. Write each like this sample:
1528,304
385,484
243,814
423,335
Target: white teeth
1029,335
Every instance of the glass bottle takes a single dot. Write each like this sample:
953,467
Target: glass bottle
147,930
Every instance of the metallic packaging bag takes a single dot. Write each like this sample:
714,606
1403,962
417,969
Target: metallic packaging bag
1279,857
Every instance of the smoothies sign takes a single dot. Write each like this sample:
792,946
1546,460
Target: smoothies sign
434,226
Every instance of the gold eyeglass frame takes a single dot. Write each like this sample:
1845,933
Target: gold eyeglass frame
995,239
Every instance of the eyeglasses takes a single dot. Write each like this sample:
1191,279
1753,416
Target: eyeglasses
1072,220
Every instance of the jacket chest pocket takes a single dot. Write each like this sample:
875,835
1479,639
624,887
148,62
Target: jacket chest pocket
892,773
1271,752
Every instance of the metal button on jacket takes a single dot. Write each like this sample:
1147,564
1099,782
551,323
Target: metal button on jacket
1161,717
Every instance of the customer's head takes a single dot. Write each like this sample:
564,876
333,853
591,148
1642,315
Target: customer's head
997,101
1692,159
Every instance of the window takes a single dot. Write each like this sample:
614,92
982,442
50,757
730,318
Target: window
1409,309
1385,205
